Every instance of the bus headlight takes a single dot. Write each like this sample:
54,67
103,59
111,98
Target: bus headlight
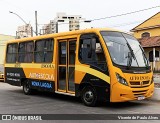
121,80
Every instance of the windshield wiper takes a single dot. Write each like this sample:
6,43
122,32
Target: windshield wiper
131,51
144,57
130,56
129,61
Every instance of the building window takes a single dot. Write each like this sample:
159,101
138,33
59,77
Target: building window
12,53
145,35
25,52
44,51
151,55
64,17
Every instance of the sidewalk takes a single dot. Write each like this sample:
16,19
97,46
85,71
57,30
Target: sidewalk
156,77
156,95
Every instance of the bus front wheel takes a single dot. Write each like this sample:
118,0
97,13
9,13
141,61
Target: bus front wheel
26,88
89,96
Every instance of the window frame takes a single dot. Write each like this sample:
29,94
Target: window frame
145,35
43,51
25,45
89,36
6,60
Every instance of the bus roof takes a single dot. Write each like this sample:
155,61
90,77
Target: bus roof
75,32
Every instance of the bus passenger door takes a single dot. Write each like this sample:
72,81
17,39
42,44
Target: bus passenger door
66,66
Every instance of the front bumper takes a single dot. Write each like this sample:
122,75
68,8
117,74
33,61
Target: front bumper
122,93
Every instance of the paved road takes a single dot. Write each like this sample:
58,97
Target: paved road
12,100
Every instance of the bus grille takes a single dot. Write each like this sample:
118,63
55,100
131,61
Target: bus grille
139,93
138,84
135,83
145,82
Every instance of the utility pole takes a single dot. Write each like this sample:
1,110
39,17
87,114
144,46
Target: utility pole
57,26
36,23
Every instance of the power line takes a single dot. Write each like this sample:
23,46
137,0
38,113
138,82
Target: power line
126,24
114,16
123,14
130,23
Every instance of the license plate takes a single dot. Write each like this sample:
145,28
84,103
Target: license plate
141,98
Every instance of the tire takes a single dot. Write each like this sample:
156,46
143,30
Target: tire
26,88
89,96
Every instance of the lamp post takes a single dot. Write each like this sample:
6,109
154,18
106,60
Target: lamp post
19,17
24,22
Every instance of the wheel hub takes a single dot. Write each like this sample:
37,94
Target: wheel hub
88,96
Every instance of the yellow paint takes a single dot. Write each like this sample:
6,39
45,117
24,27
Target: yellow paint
153,32
151,25
41,74
152,21
116,88
122,93
93,72
30,65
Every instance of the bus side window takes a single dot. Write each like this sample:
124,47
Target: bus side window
11,56
91,52
86,50
25,52
43,52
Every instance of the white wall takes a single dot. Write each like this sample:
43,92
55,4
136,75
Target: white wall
3,40
85,25
63,26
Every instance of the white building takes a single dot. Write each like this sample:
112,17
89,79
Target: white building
64,22
59,25
24,31
85,24
46,29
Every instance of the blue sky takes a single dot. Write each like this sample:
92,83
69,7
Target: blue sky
89,9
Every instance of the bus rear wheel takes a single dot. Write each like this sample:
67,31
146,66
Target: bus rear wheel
89,96
26,88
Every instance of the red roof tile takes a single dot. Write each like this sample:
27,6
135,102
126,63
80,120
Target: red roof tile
150,41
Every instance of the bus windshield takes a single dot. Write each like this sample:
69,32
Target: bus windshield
124,49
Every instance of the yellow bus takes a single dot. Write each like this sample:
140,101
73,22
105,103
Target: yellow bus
94,64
